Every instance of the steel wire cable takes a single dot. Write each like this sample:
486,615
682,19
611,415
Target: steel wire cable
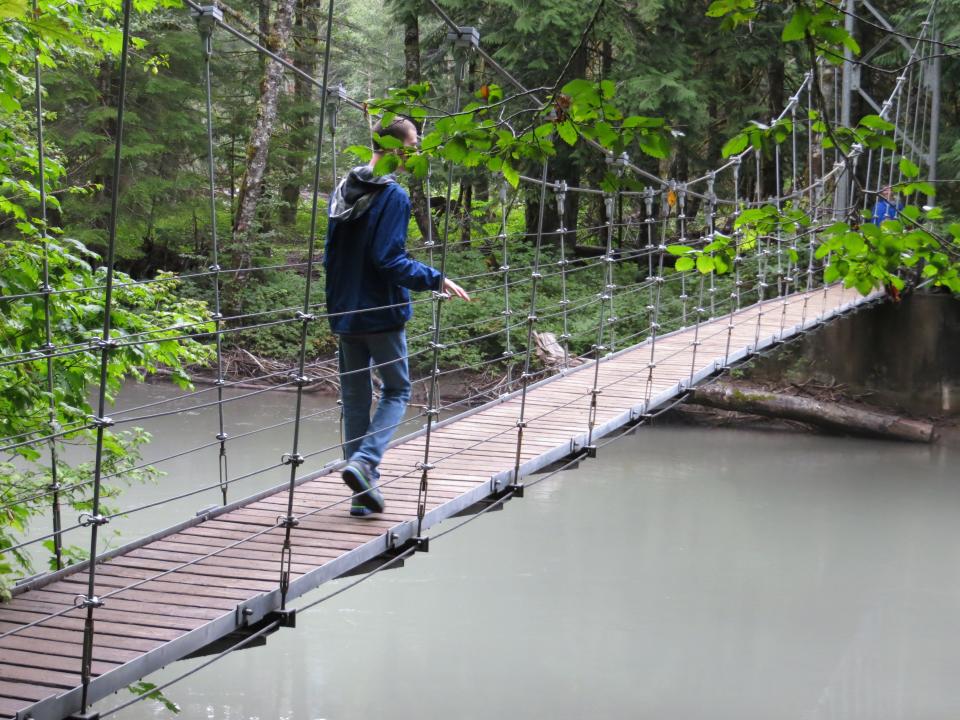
645,417
821,179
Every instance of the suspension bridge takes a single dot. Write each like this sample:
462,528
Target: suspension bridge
228,577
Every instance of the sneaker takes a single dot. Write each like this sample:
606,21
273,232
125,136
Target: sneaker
357,509
358,477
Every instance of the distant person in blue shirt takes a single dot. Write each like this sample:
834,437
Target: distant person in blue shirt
886,208
369,275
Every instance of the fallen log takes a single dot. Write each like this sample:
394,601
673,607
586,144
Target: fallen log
831,416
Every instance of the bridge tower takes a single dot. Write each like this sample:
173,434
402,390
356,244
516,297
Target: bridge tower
917,123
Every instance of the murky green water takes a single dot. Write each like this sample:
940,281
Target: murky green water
683,574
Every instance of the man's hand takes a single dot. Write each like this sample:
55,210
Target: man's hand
454,290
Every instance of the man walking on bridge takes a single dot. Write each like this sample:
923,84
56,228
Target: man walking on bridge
369,275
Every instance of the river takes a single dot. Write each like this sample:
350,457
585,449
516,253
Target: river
684,573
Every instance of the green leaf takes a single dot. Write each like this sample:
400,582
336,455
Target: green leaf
417,165
684,264
735,145
387,142
12,9
705,264
361,151
656,146
455,150
510,174
386,165
796,28
679,249
578,87
875,122
831,274
908,167
567,132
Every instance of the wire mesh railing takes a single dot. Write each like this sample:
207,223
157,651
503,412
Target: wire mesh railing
611,285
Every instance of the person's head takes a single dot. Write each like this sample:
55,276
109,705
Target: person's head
400,128
886,192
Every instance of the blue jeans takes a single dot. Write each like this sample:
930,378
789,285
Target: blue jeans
365,438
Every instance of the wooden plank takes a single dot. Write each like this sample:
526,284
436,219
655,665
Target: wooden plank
66,647
145,617
49,661
46,677
25,691
104,626
101,639
160,606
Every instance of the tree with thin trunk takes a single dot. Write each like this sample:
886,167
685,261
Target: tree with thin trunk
252,182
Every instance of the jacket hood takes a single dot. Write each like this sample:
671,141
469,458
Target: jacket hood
356,192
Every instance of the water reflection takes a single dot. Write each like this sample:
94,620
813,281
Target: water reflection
683,574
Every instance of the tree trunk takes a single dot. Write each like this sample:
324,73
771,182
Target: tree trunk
826,415
775,82
305,58
419,204
251,184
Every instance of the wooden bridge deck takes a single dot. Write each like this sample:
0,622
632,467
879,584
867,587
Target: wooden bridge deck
143,629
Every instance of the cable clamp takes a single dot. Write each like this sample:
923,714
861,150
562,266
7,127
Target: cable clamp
286,618
87,519
506,313
521,424
536,275
738,283
287,521
422,544
82,601
464,37
100,422
425,466
516,489
54,487
439,295
301,380
563,303
565,336
219,382
207,18
651,366
532,318
506,353
216,317
612,319
437,346
599,348
295,459
684,296
504,268
433,412
659,280
655,326
763,285
104,344
213,268
48,348
305,317
222,436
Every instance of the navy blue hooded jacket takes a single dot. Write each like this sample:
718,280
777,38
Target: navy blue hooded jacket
366,261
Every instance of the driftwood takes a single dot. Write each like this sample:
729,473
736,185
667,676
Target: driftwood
831,416
550,351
